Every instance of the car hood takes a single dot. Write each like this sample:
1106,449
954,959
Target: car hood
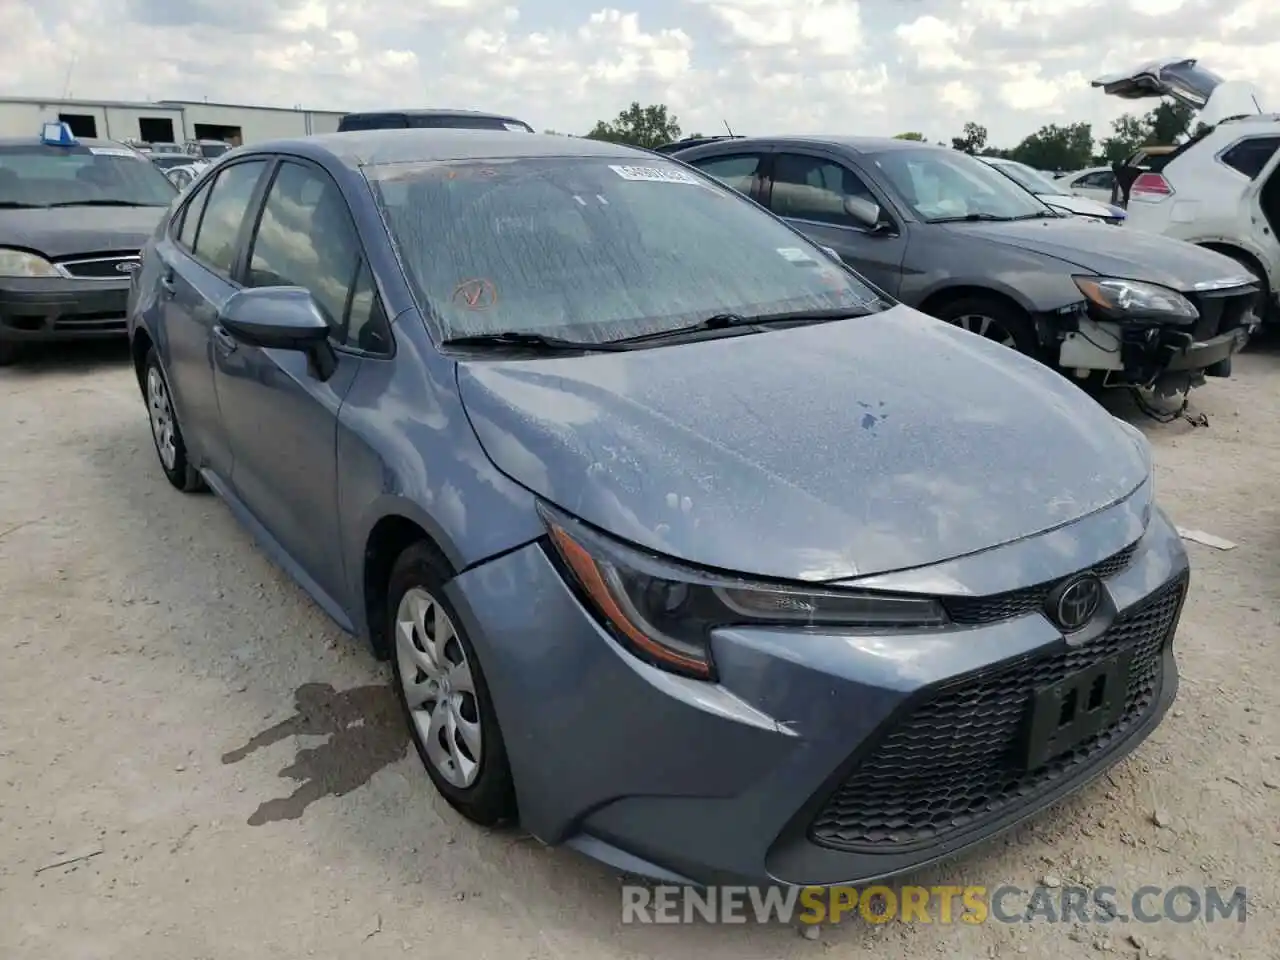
1079,205
816,453
70,231
1128,254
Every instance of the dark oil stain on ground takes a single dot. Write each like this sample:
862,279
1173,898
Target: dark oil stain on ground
366,730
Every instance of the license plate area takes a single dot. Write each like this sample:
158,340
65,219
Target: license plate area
1077,707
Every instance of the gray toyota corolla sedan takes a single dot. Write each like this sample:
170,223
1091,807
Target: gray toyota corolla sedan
690,550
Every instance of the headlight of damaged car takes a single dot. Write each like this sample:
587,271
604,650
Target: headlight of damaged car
663,612
20,263
1134,300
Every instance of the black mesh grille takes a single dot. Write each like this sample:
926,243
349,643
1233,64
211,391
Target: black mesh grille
954,761
1016,603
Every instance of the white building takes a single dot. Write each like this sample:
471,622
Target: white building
166,121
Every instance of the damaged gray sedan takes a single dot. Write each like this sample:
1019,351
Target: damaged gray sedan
945,233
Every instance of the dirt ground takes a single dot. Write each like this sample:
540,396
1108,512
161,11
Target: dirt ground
175,722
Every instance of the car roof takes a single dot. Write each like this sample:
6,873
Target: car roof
358,148
853,144
432,112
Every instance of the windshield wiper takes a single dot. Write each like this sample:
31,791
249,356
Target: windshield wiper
103,203
725,321
971,218
1038,215
534,341
21,205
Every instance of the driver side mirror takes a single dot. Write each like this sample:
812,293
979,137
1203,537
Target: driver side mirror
281,318
865,213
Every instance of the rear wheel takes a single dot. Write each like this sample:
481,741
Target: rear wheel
165,431
994,319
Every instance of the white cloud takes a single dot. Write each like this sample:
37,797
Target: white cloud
835,66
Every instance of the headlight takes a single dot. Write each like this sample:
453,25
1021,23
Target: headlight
663,612
19,263
1134,300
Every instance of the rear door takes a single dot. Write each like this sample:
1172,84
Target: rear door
196,279
281,419
808,189
1260,203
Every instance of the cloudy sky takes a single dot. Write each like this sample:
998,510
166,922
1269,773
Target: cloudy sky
834,66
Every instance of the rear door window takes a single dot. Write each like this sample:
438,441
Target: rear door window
216,241
1251,156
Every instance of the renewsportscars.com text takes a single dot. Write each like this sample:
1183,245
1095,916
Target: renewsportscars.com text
936,904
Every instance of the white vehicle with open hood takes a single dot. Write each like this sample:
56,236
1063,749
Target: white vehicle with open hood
1221,188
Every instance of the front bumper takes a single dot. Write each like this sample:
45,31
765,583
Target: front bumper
54,308
816,758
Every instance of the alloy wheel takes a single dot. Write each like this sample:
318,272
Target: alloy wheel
161,412
439,688
988,327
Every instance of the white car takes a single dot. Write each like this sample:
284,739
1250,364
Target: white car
1221,189
1095,183
1052,194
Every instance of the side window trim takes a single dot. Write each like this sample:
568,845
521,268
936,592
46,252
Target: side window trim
1222,154
377,308
258,204
178,223
255,203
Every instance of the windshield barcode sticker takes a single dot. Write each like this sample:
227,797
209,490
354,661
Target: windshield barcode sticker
655,174
115,152
795,255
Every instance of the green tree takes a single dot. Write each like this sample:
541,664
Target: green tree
973,139
639,126
1055,147
1128,133
918,137
1168,122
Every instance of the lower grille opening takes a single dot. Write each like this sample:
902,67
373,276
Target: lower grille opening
956,760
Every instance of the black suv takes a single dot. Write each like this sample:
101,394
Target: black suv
458,119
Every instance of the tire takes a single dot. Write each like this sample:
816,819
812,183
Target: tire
478,787
165,432
9,352
994,319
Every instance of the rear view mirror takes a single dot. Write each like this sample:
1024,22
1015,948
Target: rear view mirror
281,318
865,213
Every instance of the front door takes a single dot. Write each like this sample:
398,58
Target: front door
809,191
195,281
281,418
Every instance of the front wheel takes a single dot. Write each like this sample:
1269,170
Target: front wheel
994,319
444,694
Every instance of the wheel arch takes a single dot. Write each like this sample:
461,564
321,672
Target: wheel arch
388,538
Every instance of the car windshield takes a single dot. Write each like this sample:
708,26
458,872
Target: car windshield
39,175
1030,178
593,249
949,185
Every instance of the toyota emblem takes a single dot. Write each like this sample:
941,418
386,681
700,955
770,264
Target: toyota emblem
1073,603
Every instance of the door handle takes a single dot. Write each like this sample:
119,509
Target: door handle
167,284
226,343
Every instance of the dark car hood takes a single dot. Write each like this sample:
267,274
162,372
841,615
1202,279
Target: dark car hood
68,231
815,453
1116,252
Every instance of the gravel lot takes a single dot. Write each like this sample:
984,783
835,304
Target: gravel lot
145,643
